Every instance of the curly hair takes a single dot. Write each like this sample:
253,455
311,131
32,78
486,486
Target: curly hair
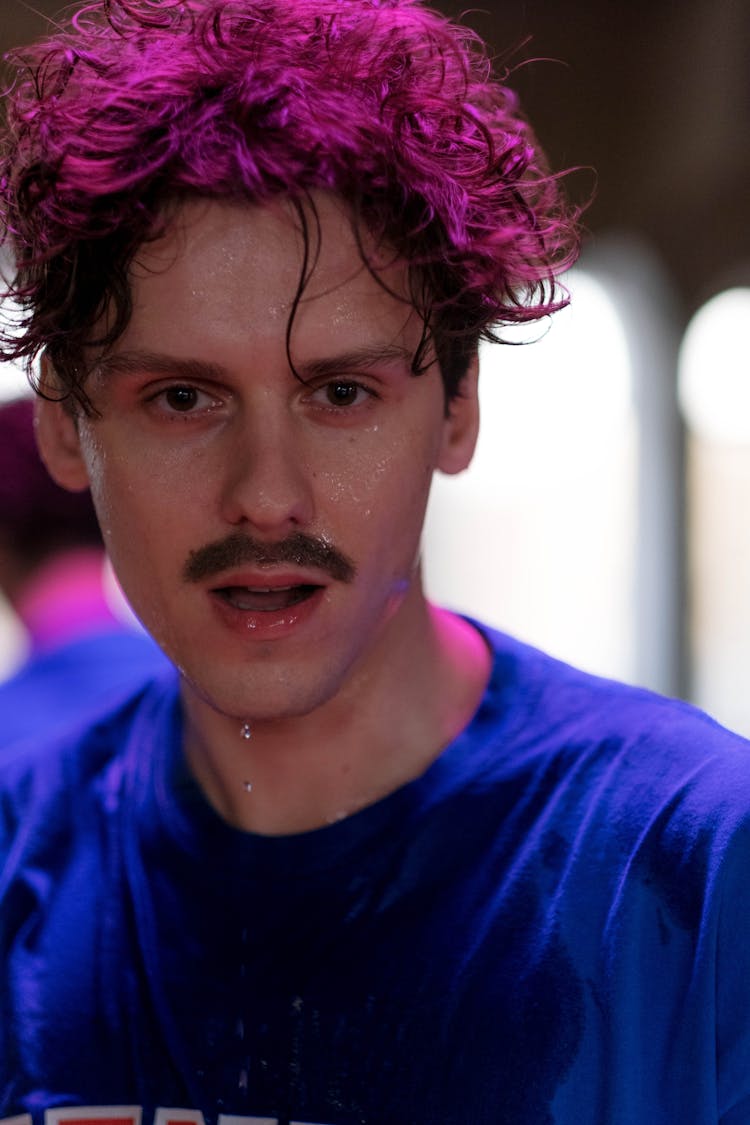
138,104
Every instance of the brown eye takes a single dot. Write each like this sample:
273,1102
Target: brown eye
341,393
181,398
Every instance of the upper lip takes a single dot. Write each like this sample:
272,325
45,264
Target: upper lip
269,578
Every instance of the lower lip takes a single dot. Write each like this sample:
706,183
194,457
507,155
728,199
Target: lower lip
267,624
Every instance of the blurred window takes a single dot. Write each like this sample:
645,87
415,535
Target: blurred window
714,394
566,531
538,536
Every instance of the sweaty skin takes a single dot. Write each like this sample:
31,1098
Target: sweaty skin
205,437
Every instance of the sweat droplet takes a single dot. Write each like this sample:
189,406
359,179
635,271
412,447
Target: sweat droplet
247,786
245,731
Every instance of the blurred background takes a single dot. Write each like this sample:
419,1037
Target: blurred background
606,516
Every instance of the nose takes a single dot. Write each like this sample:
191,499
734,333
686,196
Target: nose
267,482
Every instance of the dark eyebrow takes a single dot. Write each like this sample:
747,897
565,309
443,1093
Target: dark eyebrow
358,359
136,362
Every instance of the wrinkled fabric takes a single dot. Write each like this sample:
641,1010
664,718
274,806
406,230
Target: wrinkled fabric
550,925
64,685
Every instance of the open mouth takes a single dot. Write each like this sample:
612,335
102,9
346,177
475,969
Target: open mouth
265,600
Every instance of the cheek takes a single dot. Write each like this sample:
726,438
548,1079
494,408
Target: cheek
376,510
376,469
101,493
137,529
384,493
133,487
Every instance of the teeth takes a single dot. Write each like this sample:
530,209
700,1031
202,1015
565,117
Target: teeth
265,598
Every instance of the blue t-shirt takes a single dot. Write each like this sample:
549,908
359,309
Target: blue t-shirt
58,686
550,925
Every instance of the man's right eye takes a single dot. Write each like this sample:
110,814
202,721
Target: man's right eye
181,399
172,400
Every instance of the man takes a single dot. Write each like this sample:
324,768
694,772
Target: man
82,652
361,861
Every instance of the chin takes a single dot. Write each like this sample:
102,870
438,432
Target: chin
267,701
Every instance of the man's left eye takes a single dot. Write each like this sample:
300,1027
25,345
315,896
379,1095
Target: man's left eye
341,392
181,399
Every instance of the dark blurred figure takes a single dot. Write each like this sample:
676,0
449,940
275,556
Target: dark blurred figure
52,571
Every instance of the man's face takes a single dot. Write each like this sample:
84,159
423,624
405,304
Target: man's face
266,529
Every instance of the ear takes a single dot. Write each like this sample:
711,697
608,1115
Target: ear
58,437
461,427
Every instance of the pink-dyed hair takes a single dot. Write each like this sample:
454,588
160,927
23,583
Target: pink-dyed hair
138,104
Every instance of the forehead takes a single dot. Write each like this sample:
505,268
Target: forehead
231,264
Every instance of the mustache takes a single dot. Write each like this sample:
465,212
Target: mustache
298,549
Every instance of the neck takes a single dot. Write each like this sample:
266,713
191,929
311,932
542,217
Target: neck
418,691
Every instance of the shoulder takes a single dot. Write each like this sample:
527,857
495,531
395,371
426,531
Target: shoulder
630,745
629,818
48,781
632,791
570,700
88,675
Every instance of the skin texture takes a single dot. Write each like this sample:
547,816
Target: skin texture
235,445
